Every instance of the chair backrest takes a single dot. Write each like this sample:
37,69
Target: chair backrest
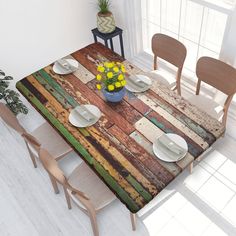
51,166
217,74
169,49
10,119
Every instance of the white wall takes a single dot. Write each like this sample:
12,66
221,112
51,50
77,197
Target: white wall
34,33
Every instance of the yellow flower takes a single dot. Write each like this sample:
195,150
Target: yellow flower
109,75
116,69
123,82
101,69
99,77
99,86
109,64
120,77
123,69
111,87
118,84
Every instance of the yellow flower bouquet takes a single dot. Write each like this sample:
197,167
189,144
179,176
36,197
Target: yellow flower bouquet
111,80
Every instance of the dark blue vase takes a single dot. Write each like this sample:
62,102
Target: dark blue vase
114,96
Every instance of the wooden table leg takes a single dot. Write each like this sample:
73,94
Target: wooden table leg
133,220
191,168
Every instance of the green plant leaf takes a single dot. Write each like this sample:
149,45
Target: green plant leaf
2,73
11,97
8,78
103,6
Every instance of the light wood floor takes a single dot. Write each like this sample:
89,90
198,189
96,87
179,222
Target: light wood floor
201,204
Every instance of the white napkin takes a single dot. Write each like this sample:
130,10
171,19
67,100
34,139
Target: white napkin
65,64
85,113
137,81
165,141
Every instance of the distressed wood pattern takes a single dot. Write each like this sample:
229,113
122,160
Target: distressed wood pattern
119,146
202,118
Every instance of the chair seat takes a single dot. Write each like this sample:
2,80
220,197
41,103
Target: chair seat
51,141
83,179
70,163
208,105
163,77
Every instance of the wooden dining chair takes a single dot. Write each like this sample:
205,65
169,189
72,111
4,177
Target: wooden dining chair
87,191
44,136
222,77
172,51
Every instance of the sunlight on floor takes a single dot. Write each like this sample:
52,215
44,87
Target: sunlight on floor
199,204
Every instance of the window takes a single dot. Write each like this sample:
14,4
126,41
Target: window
199,24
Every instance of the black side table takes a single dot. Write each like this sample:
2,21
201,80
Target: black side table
109,37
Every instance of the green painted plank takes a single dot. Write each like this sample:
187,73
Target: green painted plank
124,196
145,194
62,100
57,87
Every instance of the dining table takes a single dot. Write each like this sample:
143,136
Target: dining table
119,147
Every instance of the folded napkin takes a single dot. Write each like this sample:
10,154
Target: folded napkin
85,113
169,148
65,64
165,141
137,81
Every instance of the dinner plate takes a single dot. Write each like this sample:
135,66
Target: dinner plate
58,69
133,87
169,156
77,119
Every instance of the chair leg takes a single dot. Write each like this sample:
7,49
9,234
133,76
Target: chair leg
54,184
190,168
133,221
67,196
93,220
32,156
179,89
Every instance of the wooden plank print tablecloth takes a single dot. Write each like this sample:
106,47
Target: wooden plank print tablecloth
118,148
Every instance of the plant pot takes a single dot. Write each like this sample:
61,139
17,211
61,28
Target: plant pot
114,96
105,23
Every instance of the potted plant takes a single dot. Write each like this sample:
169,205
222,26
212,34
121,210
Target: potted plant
111,81
105,19
10,97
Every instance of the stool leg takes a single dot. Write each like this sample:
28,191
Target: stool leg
95,38
111,43
106,43
122,46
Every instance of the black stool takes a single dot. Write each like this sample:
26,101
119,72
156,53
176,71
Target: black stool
109,37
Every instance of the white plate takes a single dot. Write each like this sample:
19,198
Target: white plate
58,69
163,156
78,121
136,89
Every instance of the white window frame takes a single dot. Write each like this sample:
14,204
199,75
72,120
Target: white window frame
143,59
